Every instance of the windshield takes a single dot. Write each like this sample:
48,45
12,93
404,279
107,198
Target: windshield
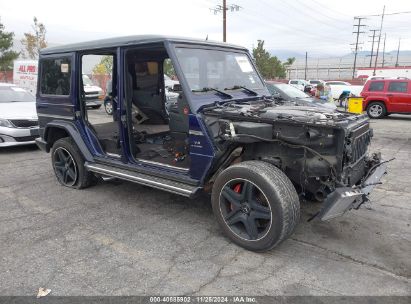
15,94
222,70
87,80
291,91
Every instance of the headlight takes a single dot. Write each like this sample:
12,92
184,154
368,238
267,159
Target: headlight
5,123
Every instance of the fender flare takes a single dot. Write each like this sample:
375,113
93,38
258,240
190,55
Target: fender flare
74,133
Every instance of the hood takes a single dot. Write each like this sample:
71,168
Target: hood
18,110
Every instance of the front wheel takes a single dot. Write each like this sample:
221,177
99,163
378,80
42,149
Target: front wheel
256,205
376,110
68,165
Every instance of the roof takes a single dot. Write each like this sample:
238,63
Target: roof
130,40
406,67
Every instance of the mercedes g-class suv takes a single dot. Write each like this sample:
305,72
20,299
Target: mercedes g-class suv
225,135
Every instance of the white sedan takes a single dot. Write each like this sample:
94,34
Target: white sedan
341,88
18,116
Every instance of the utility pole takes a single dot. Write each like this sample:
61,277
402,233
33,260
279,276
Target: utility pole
224,20
305,69
398,52
383,50
379,40
372,46
224,8
358,32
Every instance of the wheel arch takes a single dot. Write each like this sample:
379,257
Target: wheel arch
370,101
60,129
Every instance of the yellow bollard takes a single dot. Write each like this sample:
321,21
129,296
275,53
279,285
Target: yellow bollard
355,105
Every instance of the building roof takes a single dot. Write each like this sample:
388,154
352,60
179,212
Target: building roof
130,40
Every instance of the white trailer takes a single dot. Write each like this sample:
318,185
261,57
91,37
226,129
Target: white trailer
389,72
25,74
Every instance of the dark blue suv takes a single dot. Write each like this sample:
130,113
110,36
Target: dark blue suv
223,135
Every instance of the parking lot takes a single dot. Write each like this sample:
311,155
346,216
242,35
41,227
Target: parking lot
119,238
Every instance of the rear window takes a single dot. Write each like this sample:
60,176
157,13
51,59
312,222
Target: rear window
55,76
400,87
376,86
293,82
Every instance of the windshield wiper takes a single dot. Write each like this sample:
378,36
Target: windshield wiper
208,89
237,87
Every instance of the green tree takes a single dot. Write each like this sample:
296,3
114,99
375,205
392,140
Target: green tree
105,66
7,56
262,58
34,42
270,66
168,68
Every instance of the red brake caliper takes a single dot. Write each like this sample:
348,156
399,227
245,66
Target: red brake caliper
237,188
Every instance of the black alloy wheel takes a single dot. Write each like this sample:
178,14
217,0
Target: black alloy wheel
65,167
245,209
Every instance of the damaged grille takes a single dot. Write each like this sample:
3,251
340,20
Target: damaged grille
357,144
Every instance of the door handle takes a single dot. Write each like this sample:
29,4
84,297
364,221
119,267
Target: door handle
390,95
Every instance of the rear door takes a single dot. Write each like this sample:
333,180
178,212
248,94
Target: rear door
399,96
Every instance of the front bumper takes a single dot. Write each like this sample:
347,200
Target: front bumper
10,137
346,198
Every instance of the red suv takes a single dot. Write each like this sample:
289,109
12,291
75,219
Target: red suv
386,96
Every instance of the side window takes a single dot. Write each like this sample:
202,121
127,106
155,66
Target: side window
55,76
376,86
400,87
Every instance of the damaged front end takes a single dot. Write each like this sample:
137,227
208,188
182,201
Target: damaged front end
343,199
324,154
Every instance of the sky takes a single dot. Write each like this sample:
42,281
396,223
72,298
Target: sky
320,27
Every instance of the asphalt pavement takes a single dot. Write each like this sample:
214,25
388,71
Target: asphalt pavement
119,238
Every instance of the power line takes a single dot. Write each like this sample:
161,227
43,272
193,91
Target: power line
358,32
390,14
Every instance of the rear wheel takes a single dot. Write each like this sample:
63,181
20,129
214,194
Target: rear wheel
255,204
68,165
376,110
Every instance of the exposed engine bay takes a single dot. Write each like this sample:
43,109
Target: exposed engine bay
318,149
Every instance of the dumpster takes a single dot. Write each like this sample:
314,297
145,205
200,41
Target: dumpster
355,105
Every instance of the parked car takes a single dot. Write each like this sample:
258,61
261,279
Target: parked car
18,116
170,83
341,89
288,93
314,83
386,96
224,137
300,84
94,94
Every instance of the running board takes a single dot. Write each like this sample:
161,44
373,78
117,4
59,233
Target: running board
144,179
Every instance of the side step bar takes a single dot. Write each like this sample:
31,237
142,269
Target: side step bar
144,179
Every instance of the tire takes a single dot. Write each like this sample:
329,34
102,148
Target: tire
376,110
68,165
108,106
273,207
